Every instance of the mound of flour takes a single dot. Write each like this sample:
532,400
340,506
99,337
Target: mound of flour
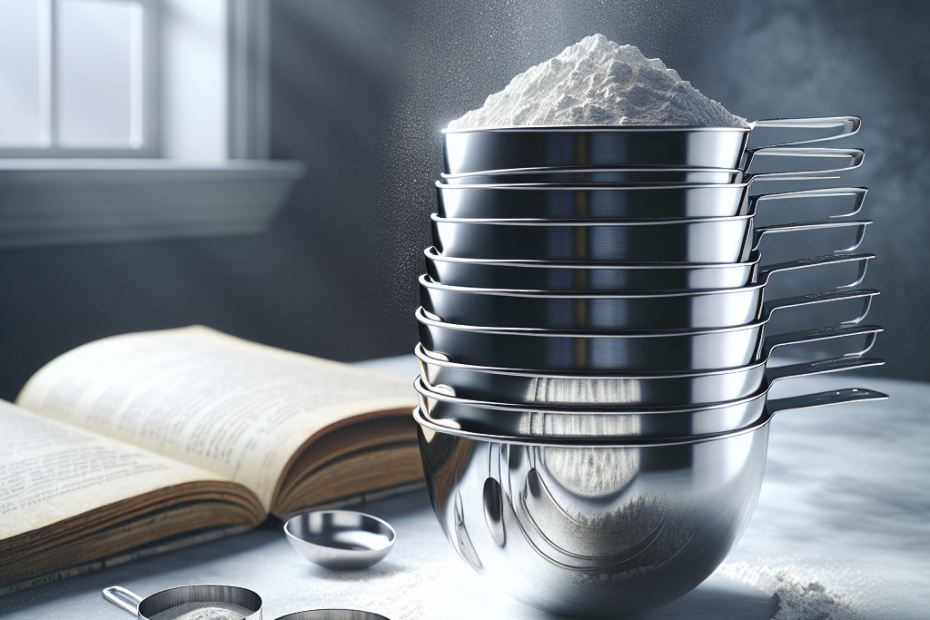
598,82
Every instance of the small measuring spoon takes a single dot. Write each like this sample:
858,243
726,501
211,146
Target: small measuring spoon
340,539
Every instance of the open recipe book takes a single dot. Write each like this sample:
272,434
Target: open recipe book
144,442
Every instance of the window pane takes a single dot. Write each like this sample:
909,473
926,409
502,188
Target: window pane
24,42
98,74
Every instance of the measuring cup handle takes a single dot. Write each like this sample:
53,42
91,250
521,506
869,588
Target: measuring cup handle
831,128
860,226
851,159
814,261
823,333
857,195
824,399
866,295
123,598
821,367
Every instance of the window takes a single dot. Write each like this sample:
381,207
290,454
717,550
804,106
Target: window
135,119
77,78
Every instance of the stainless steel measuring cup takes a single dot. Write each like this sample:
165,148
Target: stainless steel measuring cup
586,276
476,150
332,614
203,602
531,387
789,160
652,310
596,176
550,201
576,420
693,240
635,350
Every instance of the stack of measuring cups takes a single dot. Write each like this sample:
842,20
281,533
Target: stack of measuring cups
574,268
608,285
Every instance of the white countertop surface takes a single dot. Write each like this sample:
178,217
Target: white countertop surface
841,532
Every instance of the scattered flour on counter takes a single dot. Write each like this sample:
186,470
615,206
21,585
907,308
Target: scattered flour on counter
798,596
598,82
401,592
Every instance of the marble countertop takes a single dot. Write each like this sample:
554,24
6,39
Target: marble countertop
841,532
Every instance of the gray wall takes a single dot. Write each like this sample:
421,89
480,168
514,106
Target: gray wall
360,90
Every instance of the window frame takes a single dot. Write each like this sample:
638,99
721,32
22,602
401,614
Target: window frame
151,117
56,197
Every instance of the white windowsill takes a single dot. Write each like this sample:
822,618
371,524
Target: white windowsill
47,202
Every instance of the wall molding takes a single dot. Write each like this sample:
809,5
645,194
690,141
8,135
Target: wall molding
46,202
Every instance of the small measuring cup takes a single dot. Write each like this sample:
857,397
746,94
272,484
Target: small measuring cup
332,614
190,603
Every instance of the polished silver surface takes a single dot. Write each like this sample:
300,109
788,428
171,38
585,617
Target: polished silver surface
695,240
844,270
206,601
599,529
651,310
577,420
476,150
612,202
642,389
790,166
670,350
340,539
332,614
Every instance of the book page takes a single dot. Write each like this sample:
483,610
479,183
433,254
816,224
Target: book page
216,402
51,471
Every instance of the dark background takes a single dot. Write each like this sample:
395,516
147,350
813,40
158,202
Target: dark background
360,91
